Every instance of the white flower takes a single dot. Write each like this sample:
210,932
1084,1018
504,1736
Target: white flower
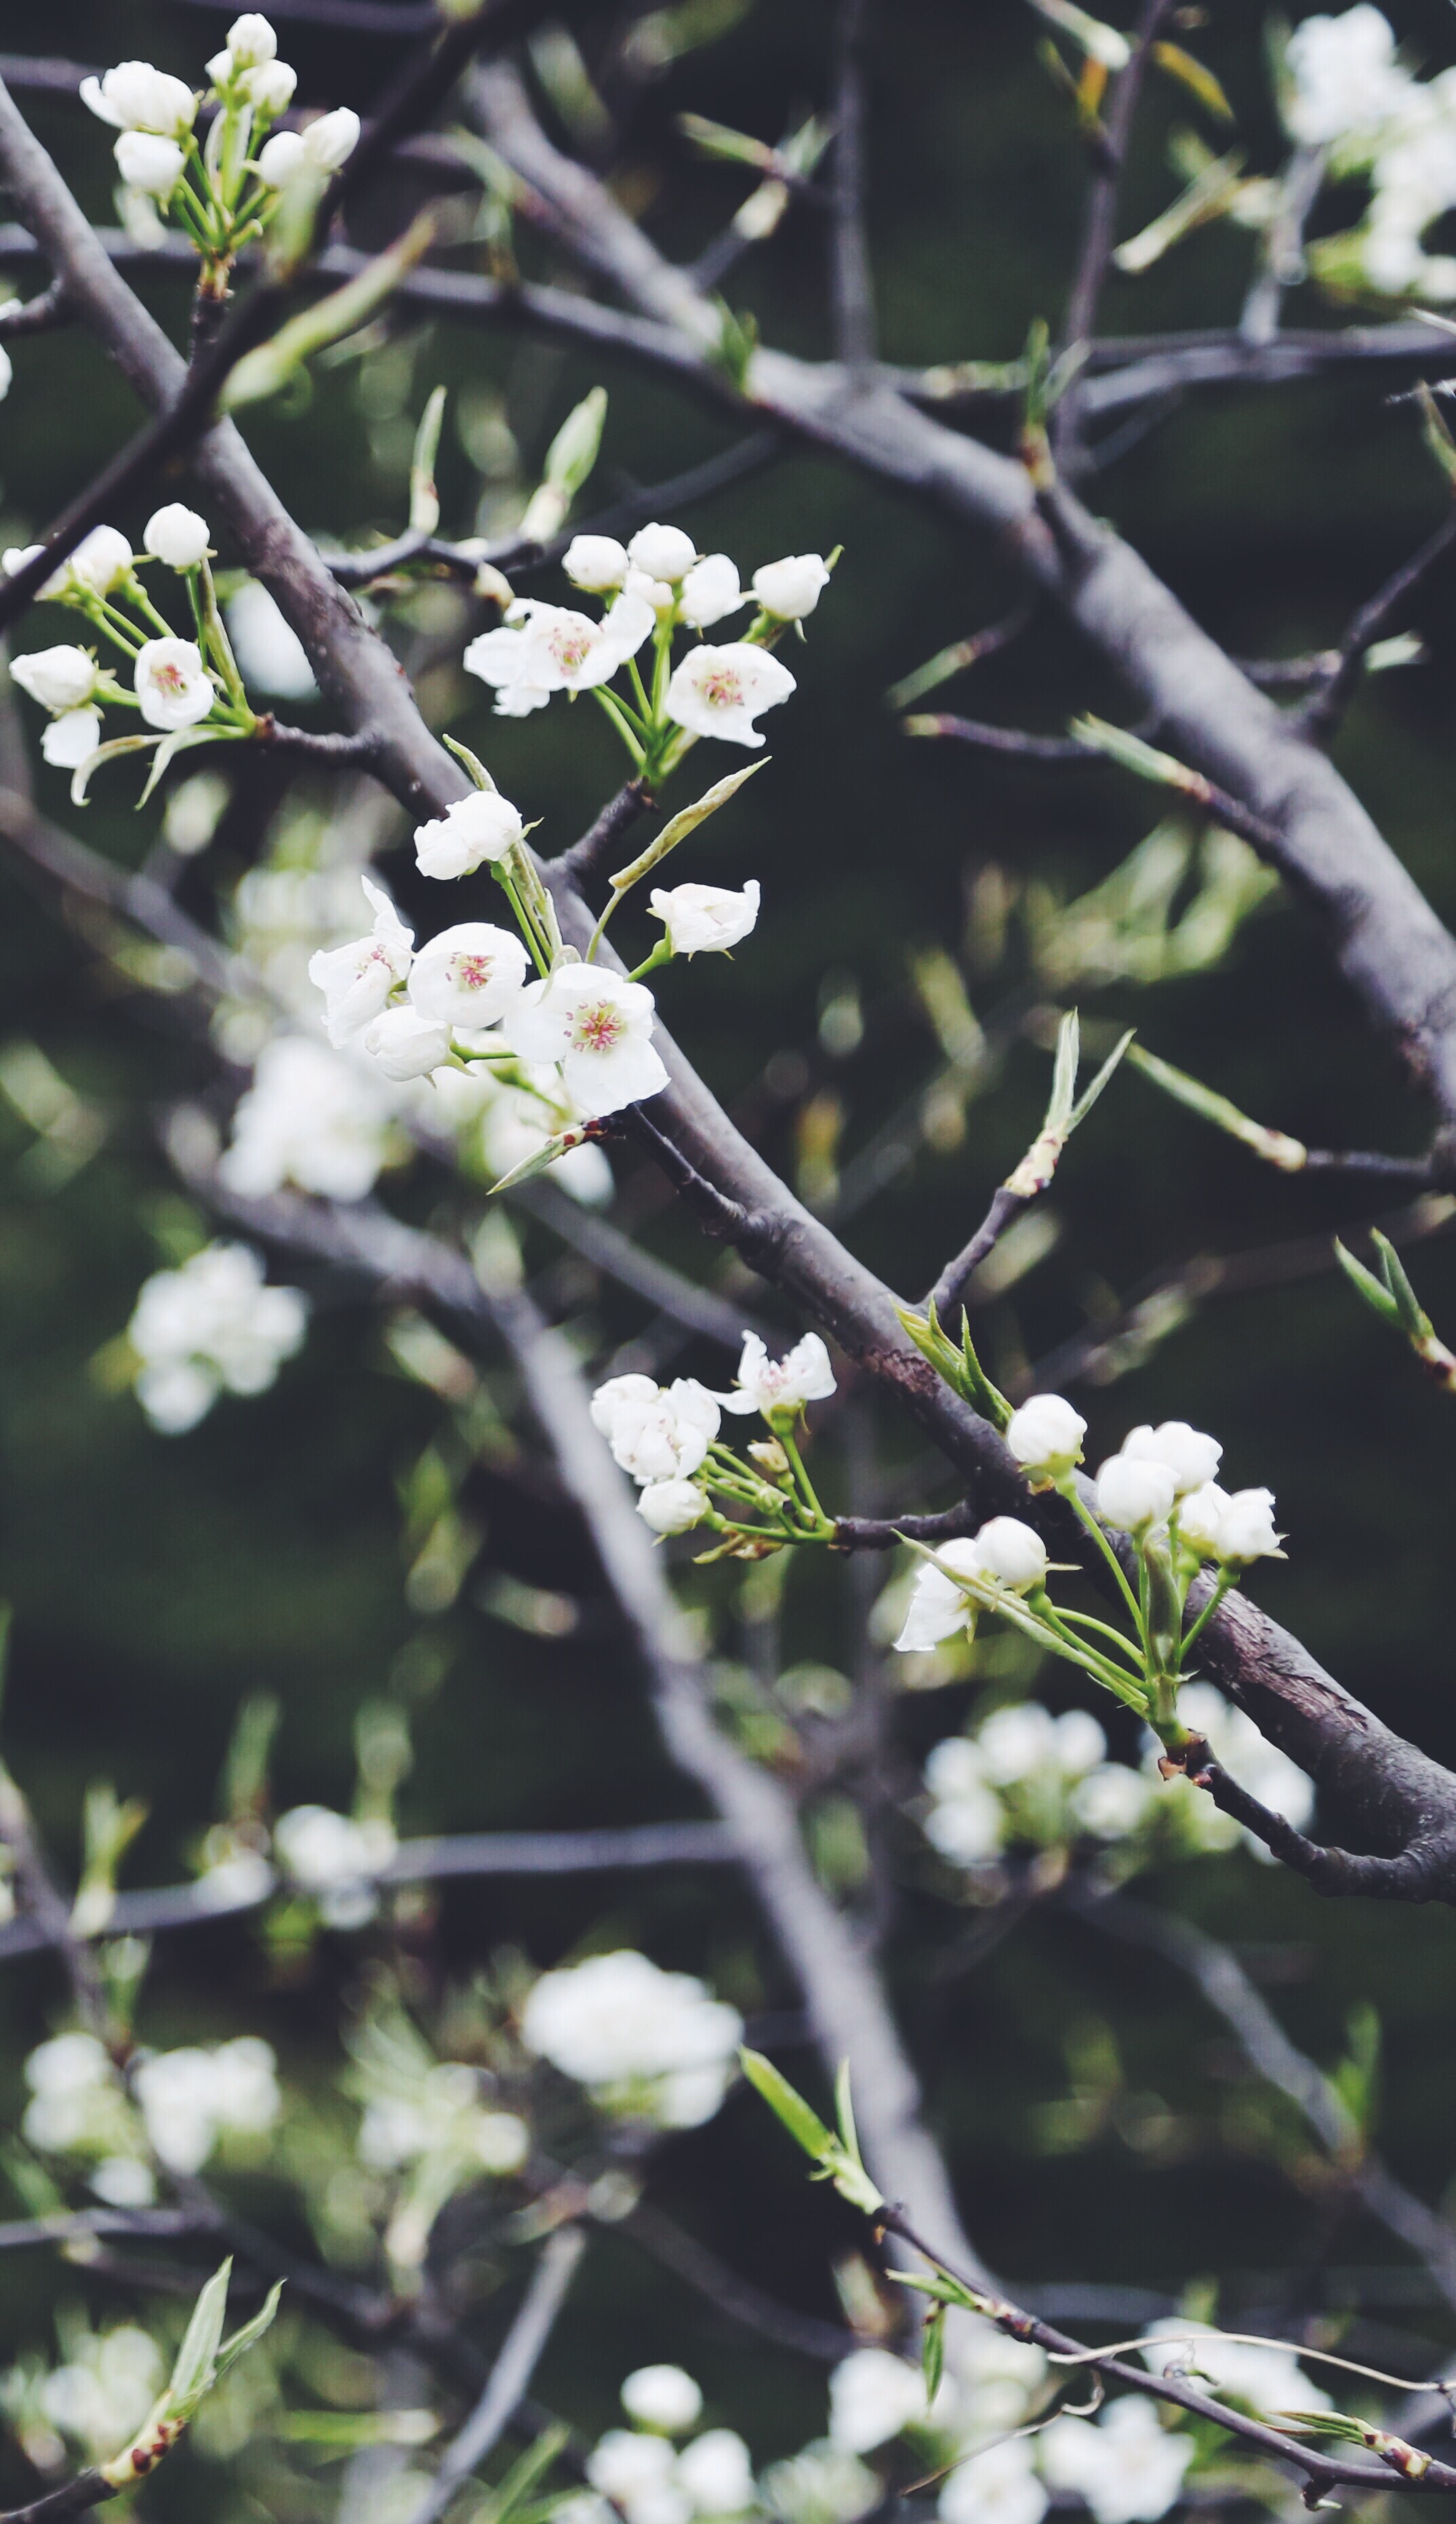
68,739
272,657
705,917
475,829
269,88
1111,1801
407,1044
7,373
719,692
100,562
646,2042
135,97
656,592
665,1438
596,563
664,2398
822,2484
1270,2377
357,980
544,649
638,2473
710,591
663,552
998,2486
1129,2468
101,2395
597,1026
251,41
1011,1555
59,678
769,1384
672,1507
937,1607
213,1323
334,1860
611,1399
124,2182
172,685
178,536
190,2097
872,2395
468,976
310,1118
332,138
1132,1495
1192,1458
1247,1528
1023,1742
1345,76
1045,1437
280,158
966,1822
1199,1516
716,2472
149,164
789,589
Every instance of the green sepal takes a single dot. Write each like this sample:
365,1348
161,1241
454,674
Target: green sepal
470,762
959,1367
933,2352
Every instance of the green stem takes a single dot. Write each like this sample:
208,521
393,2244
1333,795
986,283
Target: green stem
661,954
616,712
1085,1621
1073,1497
1225,1579
790,1444
142,601
526,923
216,639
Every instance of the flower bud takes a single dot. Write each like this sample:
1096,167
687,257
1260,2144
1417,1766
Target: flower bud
710,591
100,562
792,588
1045,1437
251,41
1010,1554
406,1044
663,552
596,563
770,1458
279,158
1192,1458
663,2398
149,164
672,1507
60,679
270,88
1133,1495
331,139
178,536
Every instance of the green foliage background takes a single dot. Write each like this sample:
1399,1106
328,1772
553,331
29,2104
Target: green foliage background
157,1581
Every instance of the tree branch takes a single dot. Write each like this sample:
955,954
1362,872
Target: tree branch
510,2377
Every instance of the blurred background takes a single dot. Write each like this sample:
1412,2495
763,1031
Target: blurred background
340,1544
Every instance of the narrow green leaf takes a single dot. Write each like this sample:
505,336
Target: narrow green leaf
248,2335
1088,1097
933,2352
801,2121
1365,1283
425,498
1064,1074
1409,1312
268,369
686,821
193,2369
510,2495
1196,76
1276,1148
470,762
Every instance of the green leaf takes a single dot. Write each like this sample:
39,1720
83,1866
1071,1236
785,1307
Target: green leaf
196,2359
798,2118
470,762
1409,1312
1089,1095
1276,1148
686,821
425,498
540,1160
509,2497
1365,1283
961,1368
273,366
1196,76
933,2352
249,2333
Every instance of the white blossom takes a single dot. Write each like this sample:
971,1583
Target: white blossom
481,827
100,562
468,976
251,40
7,373
1023,1742
172,685
597,1026
710,592
672,1507
210,1325
1199,1516
966,1822
938,1606
1128,2468
997,2486
664,1435
617,1397
663,2397
272,657
1247,1528
1011,1555
721,692
1111,1801
334,1860
792,588
269,88
544,649
639,2474
178,536
1192,1458
357,980
330,139
124,2182
1045,1437
102,2392
60,678
822,2484
1344,77
700,918
596,563
443,2115
872,2395
192,2097
658,593
74,2095
663,552
786,1383
135,97
1133,1494
650,2043
407,1044
150,163
69,739
280,158
718,2474
310,1118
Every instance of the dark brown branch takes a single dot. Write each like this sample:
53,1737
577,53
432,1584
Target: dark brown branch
948,1293
341,753
578,865
1001,740
87,2490
510,2377
43,314
1321,714
883,1533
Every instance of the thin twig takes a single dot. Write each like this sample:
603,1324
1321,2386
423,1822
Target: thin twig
948,1293
1099,226
511,2375
1321,713
853,289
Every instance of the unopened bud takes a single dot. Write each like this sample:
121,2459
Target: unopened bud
770,1458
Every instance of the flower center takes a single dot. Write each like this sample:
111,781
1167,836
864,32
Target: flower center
723,689
572,648
472,972
170,678
600,1028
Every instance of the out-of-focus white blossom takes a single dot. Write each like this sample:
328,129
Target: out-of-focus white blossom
444,2116
597,1026
998,2486
663,2397
281,157
1344,77
172,685
334,1859
482,826
211,1326
76,2099
663,552
872,2395
1023,1742
1133,1494
1248,1757
544,649
272,657
710,592
966,1822
1112,1801
178,536
251,41
312,1117
596,563
822,2484
1127,2465
135,97
330,139
1045,1437
700,918
788,1383
192,2097
721,692
718,2474
1192,1458
269,88
102,2393
792,588
357,980
653,2045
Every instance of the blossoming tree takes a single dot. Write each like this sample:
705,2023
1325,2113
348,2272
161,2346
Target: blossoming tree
493,1054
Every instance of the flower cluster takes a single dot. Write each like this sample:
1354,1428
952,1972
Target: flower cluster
94,2400
226,191
1159,1491
638,2472
188,2099
1347,92
211,1327
653,587
667,1439
188,691
335,1860
648,2045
